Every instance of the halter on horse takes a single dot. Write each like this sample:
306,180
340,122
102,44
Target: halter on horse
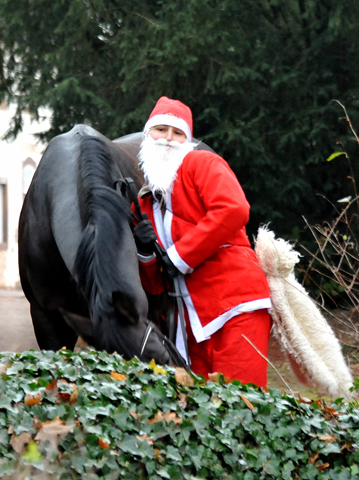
77,257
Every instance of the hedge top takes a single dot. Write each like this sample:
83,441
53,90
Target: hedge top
91,415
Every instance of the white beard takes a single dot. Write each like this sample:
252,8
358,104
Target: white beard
160,161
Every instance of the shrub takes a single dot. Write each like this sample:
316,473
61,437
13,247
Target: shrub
91,415
333,267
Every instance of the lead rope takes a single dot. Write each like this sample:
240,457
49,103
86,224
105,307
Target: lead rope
179,299
159,251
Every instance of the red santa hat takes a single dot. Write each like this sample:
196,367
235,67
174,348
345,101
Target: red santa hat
173,113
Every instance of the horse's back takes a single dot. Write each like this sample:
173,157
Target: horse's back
130,144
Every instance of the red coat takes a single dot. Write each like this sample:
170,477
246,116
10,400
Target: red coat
203,231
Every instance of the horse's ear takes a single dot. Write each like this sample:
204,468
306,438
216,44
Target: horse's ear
82,325
125,308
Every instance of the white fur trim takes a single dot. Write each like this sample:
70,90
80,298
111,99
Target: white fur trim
167,223
182,266
157,214
145,258
195,322
298,324
204,333
172,121
218,322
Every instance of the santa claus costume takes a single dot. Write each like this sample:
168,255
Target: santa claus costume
200,218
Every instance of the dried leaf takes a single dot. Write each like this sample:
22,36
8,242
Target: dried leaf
183,378
218,378
73,396
182,401
330,412
322,467
157,418
247,402
64,396
103,444
69,397
172,417
305,400
145,437
18,442
327,438
3,368
52,388
62,380
158,454
168,417
313,459
118,376
134,414
37,424
51,430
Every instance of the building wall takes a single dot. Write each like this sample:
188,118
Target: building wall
12,157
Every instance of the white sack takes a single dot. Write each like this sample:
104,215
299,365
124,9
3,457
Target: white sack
298,324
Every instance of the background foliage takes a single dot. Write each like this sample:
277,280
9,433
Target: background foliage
93,415
259,77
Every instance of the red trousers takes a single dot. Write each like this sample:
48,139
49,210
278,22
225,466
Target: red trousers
228,352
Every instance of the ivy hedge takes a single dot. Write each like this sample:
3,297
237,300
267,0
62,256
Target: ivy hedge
91,415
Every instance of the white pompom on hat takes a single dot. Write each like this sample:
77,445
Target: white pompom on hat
173,113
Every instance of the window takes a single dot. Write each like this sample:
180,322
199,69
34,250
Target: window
3,212
28,170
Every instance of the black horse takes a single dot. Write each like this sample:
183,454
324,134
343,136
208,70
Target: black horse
77,257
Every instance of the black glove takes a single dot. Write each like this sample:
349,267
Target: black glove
169,267
145,235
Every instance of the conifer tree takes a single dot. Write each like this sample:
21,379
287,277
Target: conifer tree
259,77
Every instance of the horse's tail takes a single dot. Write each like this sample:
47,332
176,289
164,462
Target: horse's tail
104,215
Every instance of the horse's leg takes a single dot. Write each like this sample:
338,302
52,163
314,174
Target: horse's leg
51,330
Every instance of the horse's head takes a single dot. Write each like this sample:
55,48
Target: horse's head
126,331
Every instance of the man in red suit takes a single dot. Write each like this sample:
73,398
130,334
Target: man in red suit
197,211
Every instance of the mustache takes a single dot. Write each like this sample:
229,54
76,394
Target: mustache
163,142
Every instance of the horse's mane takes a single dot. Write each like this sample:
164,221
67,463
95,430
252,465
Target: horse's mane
96,166
104,215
